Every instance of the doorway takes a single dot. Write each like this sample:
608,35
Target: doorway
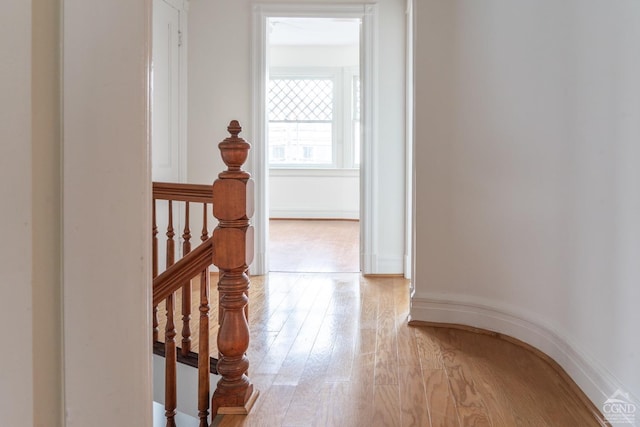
313,143
342,157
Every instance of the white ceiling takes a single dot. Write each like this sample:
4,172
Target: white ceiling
314,31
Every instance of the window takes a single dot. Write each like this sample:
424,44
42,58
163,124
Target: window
306,127
355,118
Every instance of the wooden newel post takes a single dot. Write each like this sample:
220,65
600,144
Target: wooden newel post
233,252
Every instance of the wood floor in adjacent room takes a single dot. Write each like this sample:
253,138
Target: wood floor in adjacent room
335,349
323,246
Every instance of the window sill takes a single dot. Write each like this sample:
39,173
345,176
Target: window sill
311,172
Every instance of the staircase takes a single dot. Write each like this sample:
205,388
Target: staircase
230,249
186,387
182,420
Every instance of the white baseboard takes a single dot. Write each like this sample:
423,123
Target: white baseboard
589,375
375,264
313,214
389,265
259,266
407,267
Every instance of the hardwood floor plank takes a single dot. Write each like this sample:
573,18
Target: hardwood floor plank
288,325
414,410
368,315
408,354
362,386
494,395
311,388
309,395
386,406
428,349
471,408
296,360
443,411
386,370
336,411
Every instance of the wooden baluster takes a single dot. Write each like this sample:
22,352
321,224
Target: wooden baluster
170,381
203,351
170,390
233,249
170,233
186,290
205,231
155,268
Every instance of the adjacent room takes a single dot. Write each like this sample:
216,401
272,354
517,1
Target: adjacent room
313,139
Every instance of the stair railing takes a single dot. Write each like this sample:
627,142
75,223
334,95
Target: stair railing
230,248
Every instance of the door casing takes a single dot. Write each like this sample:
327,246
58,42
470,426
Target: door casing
367,13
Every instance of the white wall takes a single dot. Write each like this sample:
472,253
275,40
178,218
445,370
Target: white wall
107,202
16,376
30,383
527,178
220,90
328,194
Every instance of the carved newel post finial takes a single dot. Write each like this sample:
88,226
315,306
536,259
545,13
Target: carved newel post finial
234,151
232,254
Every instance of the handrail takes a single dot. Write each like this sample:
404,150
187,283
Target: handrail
182,271
178,276
198,193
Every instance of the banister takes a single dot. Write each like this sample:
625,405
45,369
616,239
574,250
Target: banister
184,270
230,248
199,193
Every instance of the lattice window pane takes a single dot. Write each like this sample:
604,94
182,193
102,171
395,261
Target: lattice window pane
300,100
300,112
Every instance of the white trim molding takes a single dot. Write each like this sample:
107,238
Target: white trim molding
387,264
258,161
369,162
184,48
323,173
410,147
592,378
313,214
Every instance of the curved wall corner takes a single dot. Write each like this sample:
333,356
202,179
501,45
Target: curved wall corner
527,185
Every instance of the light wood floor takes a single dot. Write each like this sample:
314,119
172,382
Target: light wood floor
327,246
336,350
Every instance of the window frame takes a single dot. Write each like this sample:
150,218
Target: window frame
343,146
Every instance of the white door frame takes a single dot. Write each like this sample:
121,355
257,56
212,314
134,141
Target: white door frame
259,159
409,266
